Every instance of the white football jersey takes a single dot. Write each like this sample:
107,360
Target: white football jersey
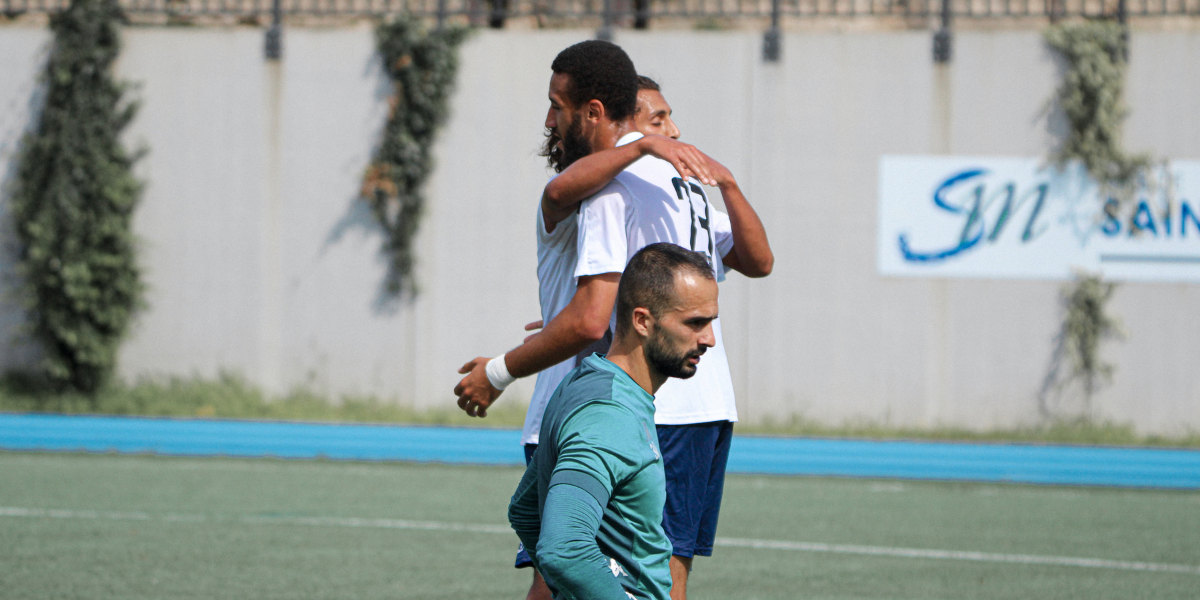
556,286
645,204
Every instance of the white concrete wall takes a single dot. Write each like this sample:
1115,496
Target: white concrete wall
24,52
260,259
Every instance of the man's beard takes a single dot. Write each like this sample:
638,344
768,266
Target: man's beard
574,145
552,151
559,152
667,362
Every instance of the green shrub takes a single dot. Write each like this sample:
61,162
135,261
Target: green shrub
72,205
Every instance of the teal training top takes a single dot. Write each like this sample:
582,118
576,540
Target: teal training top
589,509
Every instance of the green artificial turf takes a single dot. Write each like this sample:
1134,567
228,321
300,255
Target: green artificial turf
231,529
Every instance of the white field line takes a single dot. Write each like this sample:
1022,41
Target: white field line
378,524
1027,559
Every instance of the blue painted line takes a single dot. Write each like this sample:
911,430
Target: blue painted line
200,437
1014,463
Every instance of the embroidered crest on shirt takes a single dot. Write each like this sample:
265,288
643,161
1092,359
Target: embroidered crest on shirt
650,440
616,568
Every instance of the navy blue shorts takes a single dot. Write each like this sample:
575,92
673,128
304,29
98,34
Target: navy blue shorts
694,458
523,557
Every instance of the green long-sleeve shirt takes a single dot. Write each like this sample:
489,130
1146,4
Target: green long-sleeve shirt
589,508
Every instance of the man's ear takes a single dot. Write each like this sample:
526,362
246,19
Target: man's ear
594,110
643,321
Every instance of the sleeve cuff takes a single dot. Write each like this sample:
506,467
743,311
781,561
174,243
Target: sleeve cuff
583,481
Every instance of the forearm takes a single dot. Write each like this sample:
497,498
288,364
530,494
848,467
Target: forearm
752,253
568,555
589,174
523,512
567,335
582,322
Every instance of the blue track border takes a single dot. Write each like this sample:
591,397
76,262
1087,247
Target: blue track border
945,461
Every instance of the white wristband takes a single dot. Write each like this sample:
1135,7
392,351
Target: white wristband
497,373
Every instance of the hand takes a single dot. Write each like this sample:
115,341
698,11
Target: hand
475,392
530,327
686,158
721,175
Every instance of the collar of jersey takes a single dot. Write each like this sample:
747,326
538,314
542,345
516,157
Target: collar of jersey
632,136
598,361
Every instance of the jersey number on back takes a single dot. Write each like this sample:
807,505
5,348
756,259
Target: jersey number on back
684,190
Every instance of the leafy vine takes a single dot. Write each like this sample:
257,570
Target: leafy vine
72,204
1092,98
1086,323
422,65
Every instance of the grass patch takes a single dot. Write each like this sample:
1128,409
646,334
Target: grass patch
232,397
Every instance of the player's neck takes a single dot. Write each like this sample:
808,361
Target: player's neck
609,133
631,358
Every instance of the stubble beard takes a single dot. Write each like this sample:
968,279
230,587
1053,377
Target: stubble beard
668,362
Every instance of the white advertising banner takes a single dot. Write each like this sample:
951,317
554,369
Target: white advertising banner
995,217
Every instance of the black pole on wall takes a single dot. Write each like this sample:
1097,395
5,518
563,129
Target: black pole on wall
606,29
498,15
943,40
274,44
771,42
641,14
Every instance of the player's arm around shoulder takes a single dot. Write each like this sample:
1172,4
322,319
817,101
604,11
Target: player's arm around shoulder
750,253
588,175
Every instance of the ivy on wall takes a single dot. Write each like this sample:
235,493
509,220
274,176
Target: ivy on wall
1076,357
72,204
1092,98
422,64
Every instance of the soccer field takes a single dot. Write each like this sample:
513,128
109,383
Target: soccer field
106,526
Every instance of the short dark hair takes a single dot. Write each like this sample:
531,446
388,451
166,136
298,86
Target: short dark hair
649,280
645,83
601,71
